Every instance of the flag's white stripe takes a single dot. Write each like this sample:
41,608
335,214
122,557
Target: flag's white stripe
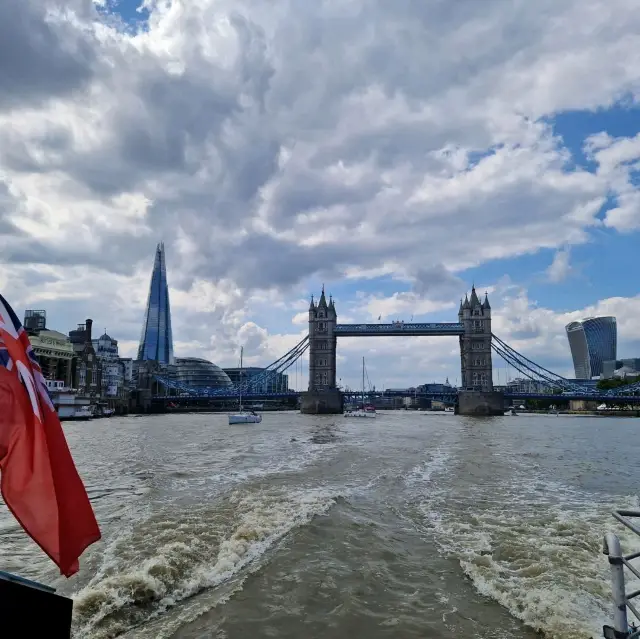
6,323
30,383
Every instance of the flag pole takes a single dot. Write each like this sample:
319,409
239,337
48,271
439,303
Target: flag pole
52,507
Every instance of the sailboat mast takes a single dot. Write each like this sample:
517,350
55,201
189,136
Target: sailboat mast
363,382
241,350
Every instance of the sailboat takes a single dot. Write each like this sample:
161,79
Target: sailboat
366,411
243,416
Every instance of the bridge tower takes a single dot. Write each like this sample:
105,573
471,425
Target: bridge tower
322,396
322,344
477,396
475,344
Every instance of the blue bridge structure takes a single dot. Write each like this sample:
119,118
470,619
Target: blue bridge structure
477,346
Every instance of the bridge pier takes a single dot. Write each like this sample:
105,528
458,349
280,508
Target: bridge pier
480,403
322,402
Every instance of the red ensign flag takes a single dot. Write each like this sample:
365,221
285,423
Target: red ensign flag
38,479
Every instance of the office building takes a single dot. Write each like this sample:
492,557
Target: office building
156,341
106,349
87,371
195,372
53,349
592,341
621,368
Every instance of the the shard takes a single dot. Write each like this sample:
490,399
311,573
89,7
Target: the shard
156,342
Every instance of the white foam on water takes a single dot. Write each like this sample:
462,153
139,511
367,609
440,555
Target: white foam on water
535,547
424,472
171,557
302,456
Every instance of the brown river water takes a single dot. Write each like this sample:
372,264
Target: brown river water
410,525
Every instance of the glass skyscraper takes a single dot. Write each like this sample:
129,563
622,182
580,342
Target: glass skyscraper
156,342
592,341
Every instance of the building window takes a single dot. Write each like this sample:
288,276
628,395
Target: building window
322,326
479,379
477,326
321,314
476,312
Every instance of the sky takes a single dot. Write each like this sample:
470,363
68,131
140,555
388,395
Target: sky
397,152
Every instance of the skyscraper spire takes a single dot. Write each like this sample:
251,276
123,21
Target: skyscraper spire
156,341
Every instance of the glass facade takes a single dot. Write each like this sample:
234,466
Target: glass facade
592,341
156,342
200,373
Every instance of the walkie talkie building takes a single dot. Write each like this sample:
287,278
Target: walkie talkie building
156,342
592,341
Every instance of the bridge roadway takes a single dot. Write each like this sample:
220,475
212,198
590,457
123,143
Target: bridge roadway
397,329
447,397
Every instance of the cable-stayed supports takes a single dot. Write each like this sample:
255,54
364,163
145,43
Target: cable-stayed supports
531,370
538,373
279,366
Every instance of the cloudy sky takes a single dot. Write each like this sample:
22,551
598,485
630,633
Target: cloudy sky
395,150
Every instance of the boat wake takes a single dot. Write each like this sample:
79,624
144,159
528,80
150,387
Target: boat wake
170,557
534,546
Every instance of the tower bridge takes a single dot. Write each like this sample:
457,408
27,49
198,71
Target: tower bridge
473,330
476,396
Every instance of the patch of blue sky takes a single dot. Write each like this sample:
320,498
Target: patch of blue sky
574,127
129,13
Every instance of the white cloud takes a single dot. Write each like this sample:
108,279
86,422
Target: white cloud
619,163
560,267
273,145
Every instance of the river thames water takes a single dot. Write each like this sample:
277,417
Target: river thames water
409,525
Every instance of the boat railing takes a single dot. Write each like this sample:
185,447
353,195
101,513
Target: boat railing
622,601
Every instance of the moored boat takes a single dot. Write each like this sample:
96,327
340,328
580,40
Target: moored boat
367,411
243,416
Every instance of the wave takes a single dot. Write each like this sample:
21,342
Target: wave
530,544
171,556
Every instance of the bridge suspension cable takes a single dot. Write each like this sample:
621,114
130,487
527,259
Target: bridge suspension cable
538,373
280,365
257,383
530,369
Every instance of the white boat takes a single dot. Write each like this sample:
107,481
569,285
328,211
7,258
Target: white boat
366,412
82,413
244,416
361,413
